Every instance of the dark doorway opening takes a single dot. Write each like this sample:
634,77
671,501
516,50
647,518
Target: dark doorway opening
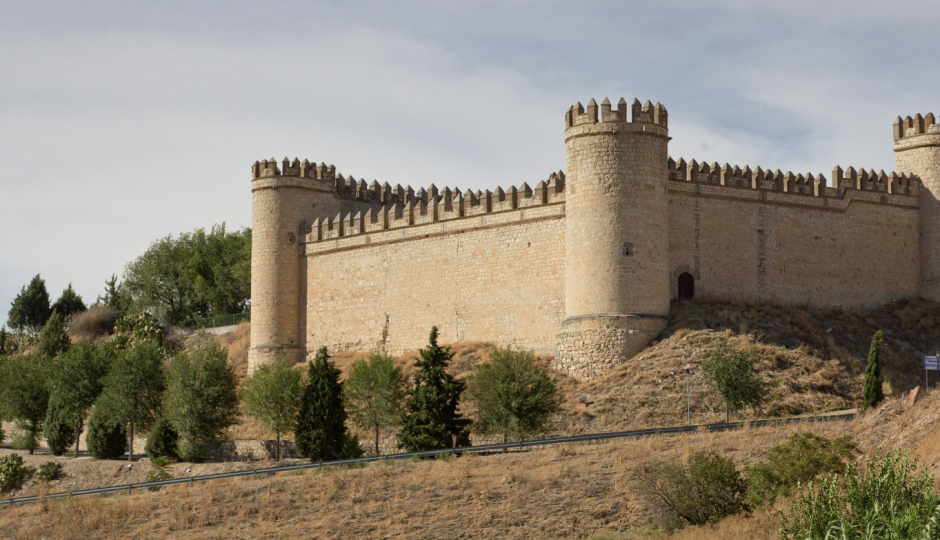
686,286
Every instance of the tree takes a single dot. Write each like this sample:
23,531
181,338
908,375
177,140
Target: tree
201,400
5,344
69,303
321,424
133,389
375,393
873,393
24,394
112,294
106,439
162,440
53,339
75,382
272,397
731,374
431,416
513,395
30,308
193,275
58,430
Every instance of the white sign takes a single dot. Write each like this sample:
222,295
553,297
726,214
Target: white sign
932,362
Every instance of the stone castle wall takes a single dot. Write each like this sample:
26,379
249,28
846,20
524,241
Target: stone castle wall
582,270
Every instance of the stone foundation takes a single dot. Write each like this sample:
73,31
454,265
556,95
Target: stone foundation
589,346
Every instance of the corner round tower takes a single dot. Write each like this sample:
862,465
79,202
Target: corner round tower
282,203
616,235
917,152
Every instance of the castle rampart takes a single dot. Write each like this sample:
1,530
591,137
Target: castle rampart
583,266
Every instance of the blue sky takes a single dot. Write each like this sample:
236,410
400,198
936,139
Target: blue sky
124,122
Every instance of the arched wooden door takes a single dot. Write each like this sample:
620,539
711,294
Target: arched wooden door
686,286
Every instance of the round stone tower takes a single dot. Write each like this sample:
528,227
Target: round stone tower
283,201
616,235
917,152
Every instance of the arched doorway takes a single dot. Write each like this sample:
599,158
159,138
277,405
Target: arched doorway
686,286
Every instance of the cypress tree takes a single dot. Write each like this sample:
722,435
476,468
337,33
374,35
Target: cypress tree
69,303
873,392
321,424
30,308
53,339
431,415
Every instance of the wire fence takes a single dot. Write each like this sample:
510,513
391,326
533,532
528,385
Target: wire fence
484,450
220,320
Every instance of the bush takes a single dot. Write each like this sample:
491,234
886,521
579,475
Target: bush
48,471
159,471
58,430
53,339
25,437
803,457
351,448
106,440
162,440
96,322
704,490
886,499
12,472
731,374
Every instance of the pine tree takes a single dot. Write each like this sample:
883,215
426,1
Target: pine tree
30,308
873,394
53,340
69,303
112,294
431,416
321,424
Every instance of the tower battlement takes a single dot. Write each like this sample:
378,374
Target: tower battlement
912,127
646,113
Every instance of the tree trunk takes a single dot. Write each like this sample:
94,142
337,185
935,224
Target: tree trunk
377,453
130,443
727,415
78,434
277,450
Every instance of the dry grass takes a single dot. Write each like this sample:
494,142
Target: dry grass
95,323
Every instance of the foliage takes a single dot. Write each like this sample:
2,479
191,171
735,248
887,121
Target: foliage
26,437
731,374
162,440
431,416
95,322
132,329
74,383
886,499
58,429
159,471
5,341
873,393
112,295
24,394
30,308
21,341
513,395
351,447
197,274
704,490
803,457
69,303
321,424
272,397
49,471
106,439
375,393
12,472
133,387
53,339
201,398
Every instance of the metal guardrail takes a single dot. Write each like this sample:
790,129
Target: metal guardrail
220,320
489,448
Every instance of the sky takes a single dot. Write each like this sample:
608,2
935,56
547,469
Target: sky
124,122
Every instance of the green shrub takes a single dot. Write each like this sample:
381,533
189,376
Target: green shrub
58,430
351,448
704,490
885,499
48,471
25,437
159,471
12,472
162,440
803,457
106,440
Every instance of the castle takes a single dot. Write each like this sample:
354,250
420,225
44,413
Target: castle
583,265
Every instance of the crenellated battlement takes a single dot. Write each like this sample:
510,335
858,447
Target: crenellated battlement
912,127
407,208
808,184
268,168
646,113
